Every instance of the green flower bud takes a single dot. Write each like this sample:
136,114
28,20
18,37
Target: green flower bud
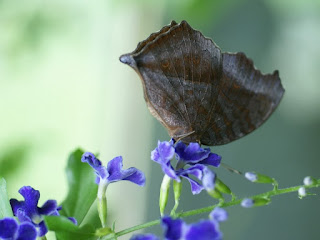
255,202
221,187
215,193
261,201
164,192
177,187
258,178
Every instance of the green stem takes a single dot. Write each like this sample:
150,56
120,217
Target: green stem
233,202
102,202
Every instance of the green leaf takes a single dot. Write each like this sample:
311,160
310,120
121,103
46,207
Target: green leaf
92,217
65,229
5,208
82,188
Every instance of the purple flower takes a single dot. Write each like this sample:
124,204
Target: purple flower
28,211
177,229
113,172
193,155
10,229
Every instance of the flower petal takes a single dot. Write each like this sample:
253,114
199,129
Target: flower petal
173,228
91,159
202,173
96,164
116,173
27,232
30,195
170,172
196,187
23,216
195,170
212,160
15,205
115,166
192,153
8,228
163,153
219,214
136,177
203,230
49,208
208,179
42,229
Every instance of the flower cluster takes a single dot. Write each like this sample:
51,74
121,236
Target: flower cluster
29,215
192,161
194,157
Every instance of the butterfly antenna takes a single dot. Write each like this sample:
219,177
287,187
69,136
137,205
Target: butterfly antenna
230,169
182,136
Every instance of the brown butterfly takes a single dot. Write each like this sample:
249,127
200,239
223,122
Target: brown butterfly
199,93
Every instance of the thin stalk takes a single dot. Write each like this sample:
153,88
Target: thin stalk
232,202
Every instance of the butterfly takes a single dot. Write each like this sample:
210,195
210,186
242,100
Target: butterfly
199,93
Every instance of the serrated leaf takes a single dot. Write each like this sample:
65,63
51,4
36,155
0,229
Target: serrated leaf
82,188
5,208
65,229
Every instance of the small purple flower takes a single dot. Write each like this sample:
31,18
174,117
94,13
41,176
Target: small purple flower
177,229
10,229
193,155
28,211
247,203
113,172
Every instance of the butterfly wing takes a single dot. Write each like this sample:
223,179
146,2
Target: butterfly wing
196,91
245,100
175,66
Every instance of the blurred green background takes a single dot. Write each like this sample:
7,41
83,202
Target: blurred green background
62,86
